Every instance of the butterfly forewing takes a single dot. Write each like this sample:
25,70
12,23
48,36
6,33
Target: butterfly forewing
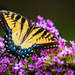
17,23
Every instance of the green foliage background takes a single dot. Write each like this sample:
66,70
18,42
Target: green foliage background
61,12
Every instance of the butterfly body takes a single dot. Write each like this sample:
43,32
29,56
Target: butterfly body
22,38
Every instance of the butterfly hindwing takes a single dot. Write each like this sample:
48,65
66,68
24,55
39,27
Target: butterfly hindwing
40,36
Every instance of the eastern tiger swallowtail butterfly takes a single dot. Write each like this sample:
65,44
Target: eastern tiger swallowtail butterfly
22,38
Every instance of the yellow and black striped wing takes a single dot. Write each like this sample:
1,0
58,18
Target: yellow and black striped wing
40,36
17,23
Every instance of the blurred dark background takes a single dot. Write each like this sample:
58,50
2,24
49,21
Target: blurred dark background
61,12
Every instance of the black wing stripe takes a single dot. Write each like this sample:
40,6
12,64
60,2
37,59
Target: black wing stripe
12,16
18,17
39,31
22,21
47,35
6,13
45,32
52,38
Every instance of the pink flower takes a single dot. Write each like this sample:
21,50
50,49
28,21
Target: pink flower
48,73
54,68
31,67
50,23
18,66
1,44
66,51
62,42
51,63
39,18
70,72
32,22
2,69
46,58
72,43
3,49
34,57
40,62
1,39
59,69
25,61
43,24
56,59
39,72
22,72
38,24
14,70
65,74
60,62
5,60
74,61
43,52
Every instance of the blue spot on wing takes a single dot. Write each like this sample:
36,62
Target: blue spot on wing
34,45
9,43
28,51
10,47
25,52
8,31
19,52
9,35
13,49
8,39
31,48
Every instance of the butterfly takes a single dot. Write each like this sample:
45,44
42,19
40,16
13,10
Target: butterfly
22,39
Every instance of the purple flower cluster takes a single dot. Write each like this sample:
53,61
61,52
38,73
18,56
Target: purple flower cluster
47,24
1,42
59,61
